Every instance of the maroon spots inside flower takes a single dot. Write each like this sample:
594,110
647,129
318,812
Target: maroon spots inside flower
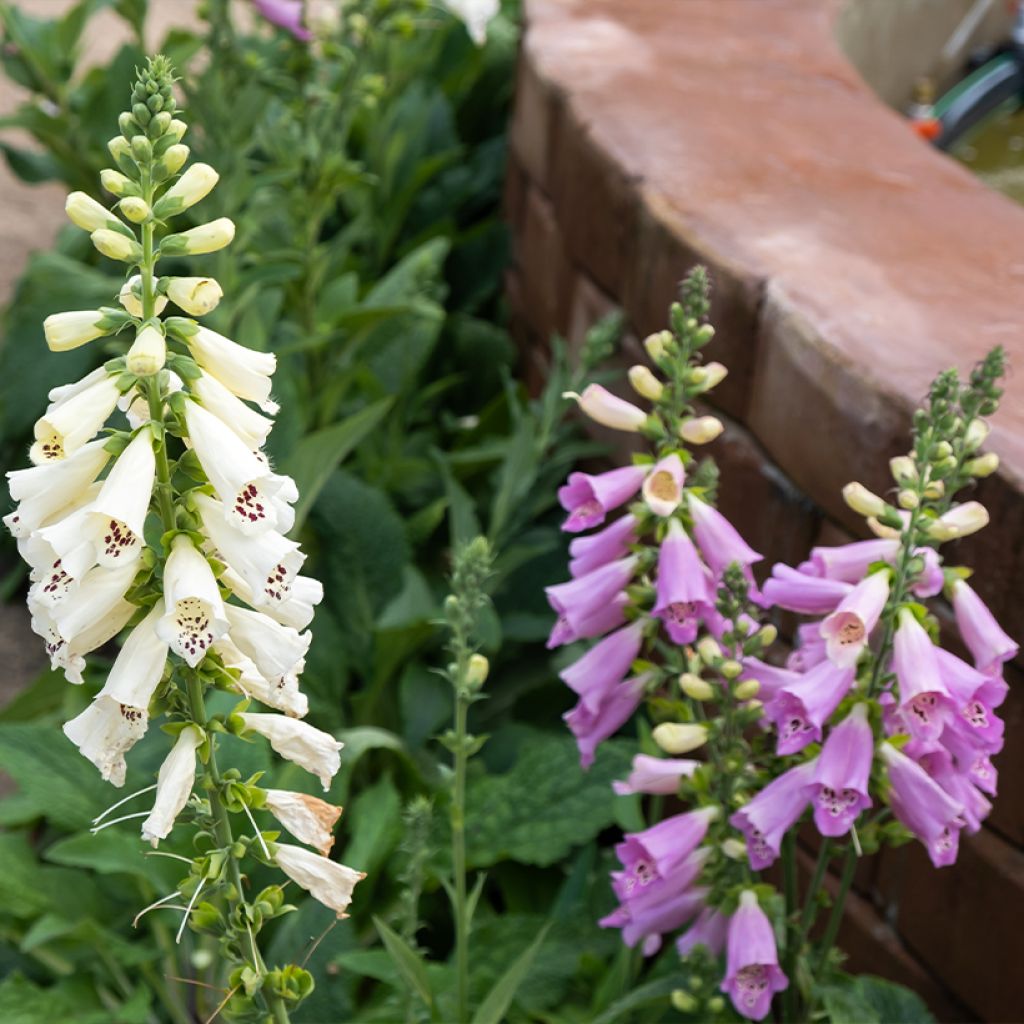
945,842
118,540
130,714
52,449
975,715
680,612
751,983
192,620
760,851
794,726
58,583
640,876
850,632
923,709
836,804
249,504
587,514
278,585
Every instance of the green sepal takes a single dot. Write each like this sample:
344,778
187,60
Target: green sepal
125,382
181,327
185,367
207,919
291,983
117,442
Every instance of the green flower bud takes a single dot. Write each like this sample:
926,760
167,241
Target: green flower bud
708,649
141,114
695,687
731,669
135,209
746,688
476,671
984,465
159,125
142,149
118,184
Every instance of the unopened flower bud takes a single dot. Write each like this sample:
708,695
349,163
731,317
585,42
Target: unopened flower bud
84,212
903,469
977,432
148,352
683,1001
195,295
960,521
173,160
142,149
714,374
200,240
644,383
746,689
881,530
935,490
908,499
677,738
195,184
476,671
116,246
941,451
731,669
159,125
716,1004
655,344
117,184
65,331
708,649
130,296
695,687
605,408
863,501
734,849
984,465
768,634
135,209
119,147
703,335
177,129
700,429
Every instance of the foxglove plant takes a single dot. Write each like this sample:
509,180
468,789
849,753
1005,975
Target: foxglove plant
173,525
871,729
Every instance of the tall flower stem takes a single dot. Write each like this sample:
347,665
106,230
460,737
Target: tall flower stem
458,817
836,917
790,996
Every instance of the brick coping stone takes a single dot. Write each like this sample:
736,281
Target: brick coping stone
736,132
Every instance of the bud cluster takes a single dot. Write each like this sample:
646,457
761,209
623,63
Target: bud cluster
175,525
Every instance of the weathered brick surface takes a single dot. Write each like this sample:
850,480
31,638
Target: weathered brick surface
843,280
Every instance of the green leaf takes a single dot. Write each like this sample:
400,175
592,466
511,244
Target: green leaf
492,1009
112,852
544,806
656,991
408,962
29,166
376,826
318,454
22,1002
865,999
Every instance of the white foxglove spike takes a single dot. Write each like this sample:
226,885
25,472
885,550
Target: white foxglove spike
325,880
241,480
251,428
174,784
282,694
104,732
308,818
243,371
268,562
140,664
69,424
274,648
194,614
318,752
118,515
44,490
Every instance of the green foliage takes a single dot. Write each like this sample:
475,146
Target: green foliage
868,1000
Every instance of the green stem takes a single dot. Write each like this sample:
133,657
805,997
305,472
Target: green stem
459,854
810,911
836,917
789,997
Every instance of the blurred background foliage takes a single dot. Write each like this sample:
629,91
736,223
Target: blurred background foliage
364,173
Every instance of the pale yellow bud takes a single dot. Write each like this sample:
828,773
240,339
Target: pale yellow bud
677,738
644,383
695,687
961,521
148,352
174,159
683,1001
935,490
977,432
881,530
747,688
903,469
119,146
177,129
195,184
199,240
704,334
195,295
116,183
768,635
476,671
908,499
84,212
116,246
135,209
130,296
708,649
984,465
700,429
655,344
734,849
66,331
731,669
714,374
863,501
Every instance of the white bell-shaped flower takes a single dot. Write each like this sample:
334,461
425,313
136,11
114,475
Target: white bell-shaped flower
174,784
100,592
70,422
296,610
308,818
69,655
275,649
242,482
193,610
104,732
243,371
324,879
118,515
283,694
42,491
268,562
318,752
252,428
60,556
140,664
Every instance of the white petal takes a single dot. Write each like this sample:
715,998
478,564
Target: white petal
318,752
104,732
243,371
308,818
173,785
118,514
194,614
139,666
282,694
275,649
252,428
70,423
325,880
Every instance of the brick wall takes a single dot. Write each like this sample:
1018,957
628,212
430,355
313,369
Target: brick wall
850,262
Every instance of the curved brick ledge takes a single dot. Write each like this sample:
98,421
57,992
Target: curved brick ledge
850,263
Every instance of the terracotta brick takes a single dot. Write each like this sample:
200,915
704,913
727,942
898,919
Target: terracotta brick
534,118
544,270
666,249
597,203
963,922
